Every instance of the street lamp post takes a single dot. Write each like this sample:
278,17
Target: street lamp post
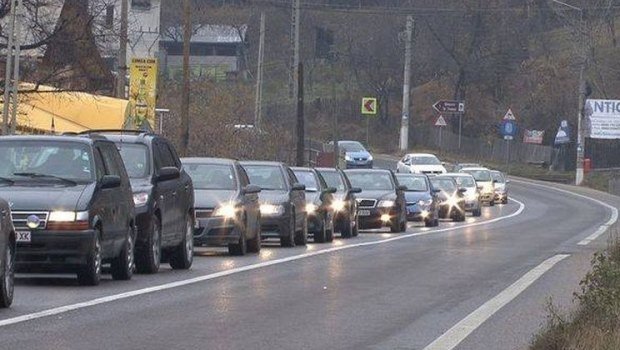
582,93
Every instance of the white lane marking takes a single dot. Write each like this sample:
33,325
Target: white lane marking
602,229
455,335
166,286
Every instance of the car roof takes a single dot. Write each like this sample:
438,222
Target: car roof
368,171
458,174
475,168
421,155
50,138
410,175
207,160
261,162
301,168
497,172
129,138
334,170
443,176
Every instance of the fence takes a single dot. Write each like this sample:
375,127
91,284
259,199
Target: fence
495,149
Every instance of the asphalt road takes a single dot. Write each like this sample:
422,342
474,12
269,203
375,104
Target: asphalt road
490,276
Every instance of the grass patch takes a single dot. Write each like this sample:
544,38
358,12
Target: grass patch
595,324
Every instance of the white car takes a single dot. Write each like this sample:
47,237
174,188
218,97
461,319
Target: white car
420,163
484,180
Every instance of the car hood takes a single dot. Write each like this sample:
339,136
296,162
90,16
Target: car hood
428,167
358,154
500,186
47,198
212,198
377,195
273,197
487,186
417,196
313,197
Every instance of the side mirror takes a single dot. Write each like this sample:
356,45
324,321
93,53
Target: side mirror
462,190
402,188
330,190
110,181
251,189
356,190
436,190
168,173
299,187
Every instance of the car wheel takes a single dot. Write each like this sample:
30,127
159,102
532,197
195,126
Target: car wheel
241,247
330,231
477,212
395,225
429,223
356,227
148,254
436,222
7,284
301,237
492,203
123,265
288,238
320,236
403,223
505,200
347,228
183,255
90,274
254,244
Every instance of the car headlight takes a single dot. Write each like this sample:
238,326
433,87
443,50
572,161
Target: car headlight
62,216
311,208
68,221
425,203
386,203
140,199
370,157
453,201
338,205
347,158
271,209
228,211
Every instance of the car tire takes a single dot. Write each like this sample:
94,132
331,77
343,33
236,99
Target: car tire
254,244
182,256
395,225
287,240
477,212
356,227
436,222
7,284
403,224
123,265
301,237
330,232
90,274
429,223
505,200
241,247
492,203
320,236
148,255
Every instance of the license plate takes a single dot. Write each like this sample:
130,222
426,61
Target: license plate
24,236
363,213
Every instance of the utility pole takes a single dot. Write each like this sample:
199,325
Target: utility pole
404,124
7,76
17,43
121,79
295,22
258,110
187,26
301,145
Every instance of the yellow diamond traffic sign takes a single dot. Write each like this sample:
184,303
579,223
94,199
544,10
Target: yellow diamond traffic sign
369,106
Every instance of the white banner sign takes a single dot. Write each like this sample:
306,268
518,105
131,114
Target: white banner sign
602,119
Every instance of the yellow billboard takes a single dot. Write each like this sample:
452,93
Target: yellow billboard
142,92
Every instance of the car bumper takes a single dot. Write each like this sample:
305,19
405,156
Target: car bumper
472,205
359,165
315,223
446,211
500,196
417,213
54,251
274,226
372,218
487,197
215,231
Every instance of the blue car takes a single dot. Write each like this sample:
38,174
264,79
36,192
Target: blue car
355,155
422,203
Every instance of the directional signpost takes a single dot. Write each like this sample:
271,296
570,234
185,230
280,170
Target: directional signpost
509,131
452,107
440,123
369,109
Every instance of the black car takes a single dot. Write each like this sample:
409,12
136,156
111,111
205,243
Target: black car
164,199
8,248
422,202
345,204
382,200
71,205
227,209
451,197
282,202
319,201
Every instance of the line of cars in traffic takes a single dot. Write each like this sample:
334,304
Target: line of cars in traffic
74,203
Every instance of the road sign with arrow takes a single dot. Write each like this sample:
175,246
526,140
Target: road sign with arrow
369,106
454,107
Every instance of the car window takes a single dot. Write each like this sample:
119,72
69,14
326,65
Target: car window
100,168
267,177
333,179
444,184
109,161
498,177
413,183
465,181
480,175
425,160
243,176
164,157
211,176
69,160
136,159
372,181
308,179
291,175
351,146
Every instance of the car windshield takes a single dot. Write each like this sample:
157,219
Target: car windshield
211,176
444,184
371,181
351,146
308,179
465,181
334,180
46,160
480,175
413,183
498,177
266,177
425,160
136,159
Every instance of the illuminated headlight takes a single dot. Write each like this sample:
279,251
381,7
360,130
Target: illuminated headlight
227,211
271,209
385,218
338,205
425,214
370,158
140,199
347,158
425,203
386,204
453,201
311,208
62,216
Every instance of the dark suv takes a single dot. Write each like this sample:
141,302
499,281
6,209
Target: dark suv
71,205
163,195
